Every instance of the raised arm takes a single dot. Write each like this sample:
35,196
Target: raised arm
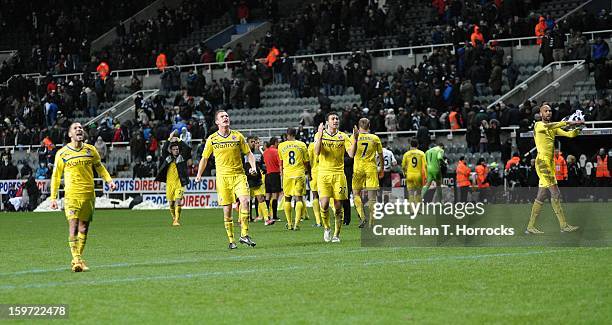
318,137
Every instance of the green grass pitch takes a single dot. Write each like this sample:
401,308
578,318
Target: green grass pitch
144,271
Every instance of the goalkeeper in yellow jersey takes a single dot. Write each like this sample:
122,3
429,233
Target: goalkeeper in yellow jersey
414,166
229,147
365,171
173,171
330,145
75,162
544,133
294,164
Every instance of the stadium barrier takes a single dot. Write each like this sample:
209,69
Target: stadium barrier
516,42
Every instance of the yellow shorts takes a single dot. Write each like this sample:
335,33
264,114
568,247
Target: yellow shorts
259,190
545,168
231,187
333,186
365,180
81,209
294,186
414,181
174,191
314,182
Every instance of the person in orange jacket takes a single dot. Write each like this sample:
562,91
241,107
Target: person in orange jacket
272,56
477,36
103,69
464,184
540,30
482,172
560,167
161,62
602,172
515,160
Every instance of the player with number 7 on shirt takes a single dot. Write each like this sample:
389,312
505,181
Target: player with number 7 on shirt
330,145
229,146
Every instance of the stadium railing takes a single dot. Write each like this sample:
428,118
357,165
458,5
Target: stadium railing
521,89
566,81
123,106
411,51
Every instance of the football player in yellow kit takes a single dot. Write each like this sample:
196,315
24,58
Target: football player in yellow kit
76,162
544,134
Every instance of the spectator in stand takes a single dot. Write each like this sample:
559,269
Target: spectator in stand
185,136
243,12
602,171
546,48
540,30
574,173
476,37
512,72
7,169
42,172
102,148
600,51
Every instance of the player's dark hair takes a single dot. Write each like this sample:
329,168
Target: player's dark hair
441,145
516,154
273,141
481,160
292,132
330,114
414,143
462,158
219,112
250,137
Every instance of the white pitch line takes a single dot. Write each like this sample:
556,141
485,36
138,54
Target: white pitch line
237,272
196,260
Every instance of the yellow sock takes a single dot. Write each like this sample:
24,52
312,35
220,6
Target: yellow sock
229,229
299,212
74,247
359,207
263,210
173,212
244,221
316,208
535,212
81,240
177,213
287,209
338,225
556,205
305,215
325,218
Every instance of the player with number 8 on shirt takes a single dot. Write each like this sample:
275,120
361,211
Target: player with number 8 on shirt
294,163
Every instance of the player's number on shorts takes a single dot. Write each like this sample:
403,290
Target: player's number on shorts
387,163
414,162
365,149
291,157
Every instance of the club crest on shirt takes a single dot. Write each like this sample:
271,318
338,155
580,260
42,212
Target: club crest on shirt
88,151
339,137
234,137
71,212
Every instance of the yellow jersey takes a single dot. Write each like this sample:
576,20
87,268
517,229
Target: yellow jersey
313,159
544,136
331,156
414,162
228,151
172,176
368,146
77,165
294,156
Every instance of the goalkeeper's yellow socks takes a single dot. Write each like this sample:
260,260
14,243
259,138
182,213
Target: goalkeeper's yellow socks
177,215
338,225
535,212
325,218
359,207
81,240
316,208
287,209
244,221
263,210
229,229
299,212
